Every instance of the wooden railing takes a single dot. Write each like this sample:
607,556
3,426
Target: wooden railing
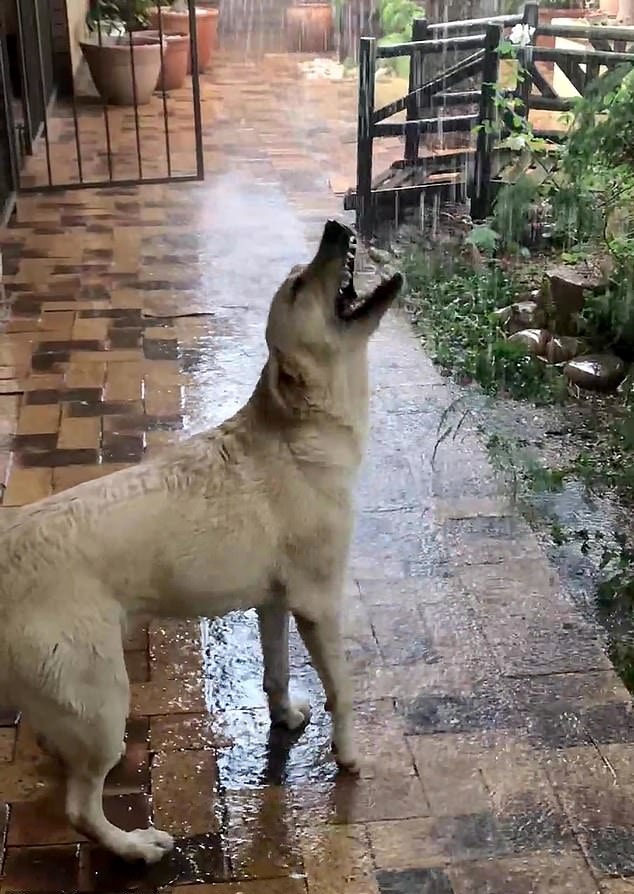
480,38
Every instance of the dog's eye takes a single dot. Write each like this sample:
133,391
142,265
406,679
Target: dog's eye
296,285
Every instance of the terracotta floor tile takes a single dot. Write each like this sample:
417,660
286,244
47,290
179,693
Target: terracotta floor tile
84,374
124,381
337,855
132,773
186,731
262,840
79,433
7,740
40,822
33,869
184,792
137,666
68,476
176,650
167,697
35,420
27,486
263,886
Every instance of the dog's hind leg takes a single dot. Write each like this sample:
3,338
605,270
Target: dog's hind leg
323,639
82,713
273,620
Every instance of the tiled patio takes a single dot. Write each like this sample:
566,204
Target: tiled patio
496,737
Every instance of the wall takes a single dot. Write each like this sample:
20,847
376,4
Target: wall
76,16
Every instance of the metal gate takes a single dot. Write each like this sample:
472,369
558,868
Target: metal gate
80,135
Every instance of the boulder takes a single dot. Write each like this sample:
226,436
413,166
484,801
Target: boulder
533,341
565,292
596,372
521,315
562,348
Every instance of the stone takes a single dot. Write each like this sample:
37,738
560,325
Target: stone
562,348
596,372
564,294
534,341
379,256
521,315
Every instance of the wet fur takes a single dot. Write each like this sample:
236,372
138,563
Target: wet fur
254,514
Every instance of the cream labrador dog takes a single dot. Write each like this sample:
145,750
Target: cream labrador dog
256,513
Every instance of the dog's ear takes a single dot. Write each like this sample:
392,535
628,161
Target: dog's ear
288,382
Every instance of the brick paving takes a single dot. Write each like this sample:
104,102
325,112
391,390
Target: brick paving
496,736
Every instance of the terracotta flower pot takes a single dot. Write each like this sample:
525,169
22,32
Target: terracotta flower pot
309,28
548,15
110,66
176,60
175,22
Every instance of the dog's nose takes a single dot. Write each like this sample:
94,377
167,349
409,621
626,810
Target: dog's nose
336,232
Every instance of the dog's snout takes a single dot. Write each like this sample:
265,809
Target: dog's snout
336,234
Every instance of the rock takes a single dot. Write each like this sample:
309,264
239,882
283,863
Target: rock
526,315
534,341
562,348
379,256
565,293
596,372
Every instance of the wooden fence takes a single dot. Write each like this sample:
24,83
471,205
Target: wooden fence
472,171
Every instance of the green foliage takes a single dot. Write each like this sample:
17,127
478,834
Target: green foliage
396,18
133,14
484,238
454,312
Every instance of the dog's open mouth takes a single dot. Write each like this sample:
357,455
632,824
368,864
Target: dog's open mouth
348,304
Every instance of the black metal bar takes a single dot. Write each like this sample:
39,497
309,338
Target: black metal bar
28,123
5,80
137,129
106,184
437,45
412,138
74,109
38,42
365,134
589,32
159,11
198,124
106,118
481,195
506,21
546,54
450,124
453,75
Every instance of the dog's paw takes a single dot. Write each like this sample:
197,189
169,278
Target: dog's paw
347,760
296,715
149,845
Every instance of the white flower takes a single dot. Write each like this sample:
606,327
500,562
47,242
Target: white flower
521,35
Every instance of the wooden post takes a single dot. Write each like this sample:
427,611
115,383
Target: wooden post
481,194
524,87
365,128
412,138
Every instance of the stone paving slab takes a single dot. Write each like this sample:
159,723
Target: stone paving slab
497,738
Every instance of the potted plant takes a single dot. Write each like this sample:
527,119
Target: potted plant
309,26
124,62
174,20
551,10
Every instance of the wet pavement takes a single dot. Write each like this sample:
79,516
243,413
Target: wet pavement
497,740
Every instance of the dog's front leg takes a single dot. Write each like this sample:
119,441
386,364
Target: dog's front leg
323,639
273,620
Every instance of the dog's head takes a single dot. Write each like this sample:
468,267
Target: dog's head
318,325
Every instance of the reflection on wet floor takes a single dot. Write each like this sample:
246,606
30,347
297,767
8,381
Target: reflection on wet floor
497,740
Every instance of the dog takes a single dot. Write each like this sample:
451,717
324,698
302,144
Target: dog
256,513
